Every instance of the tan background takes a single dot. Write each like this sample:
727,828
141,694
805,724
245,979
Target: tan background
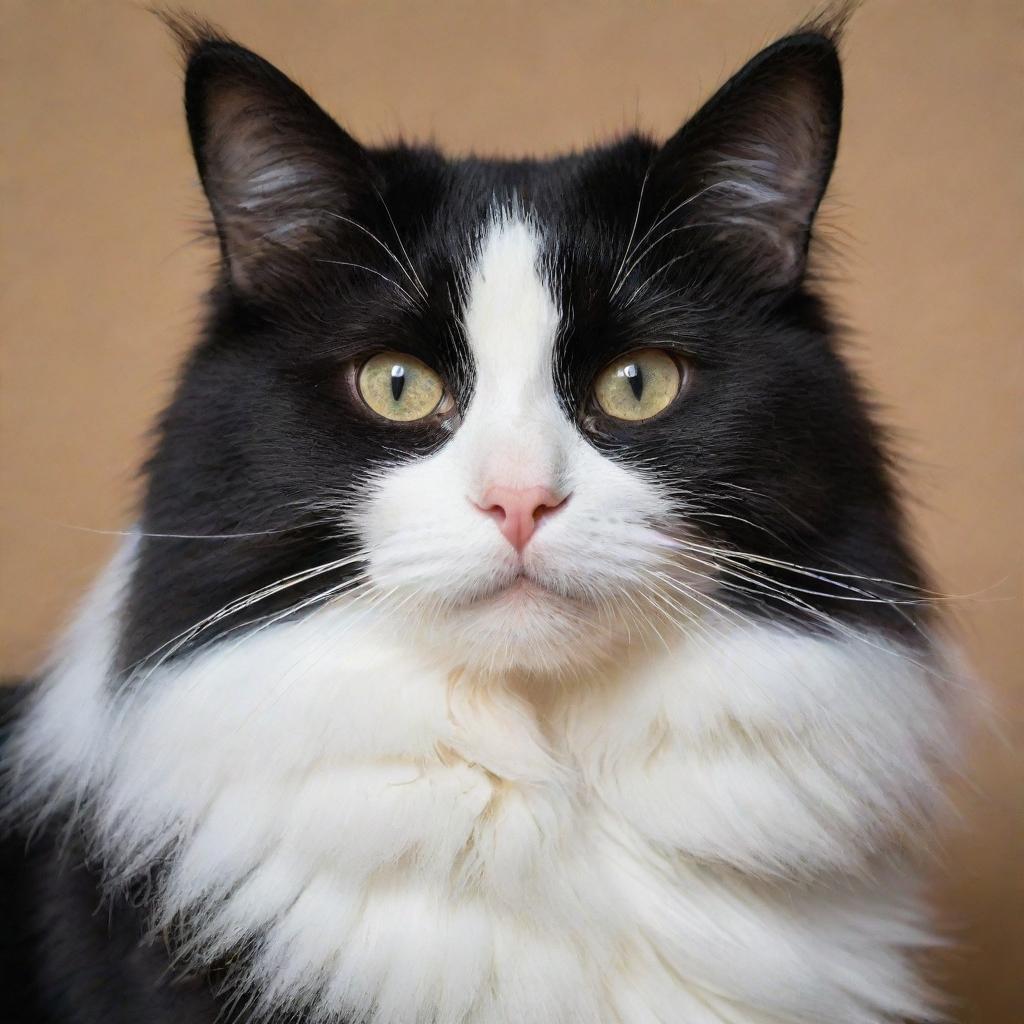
100,284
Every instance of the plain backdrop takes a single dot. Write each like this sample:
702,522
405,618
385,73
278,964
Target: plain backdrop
101,282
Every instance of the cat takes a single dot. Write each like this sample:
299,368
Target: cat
520,626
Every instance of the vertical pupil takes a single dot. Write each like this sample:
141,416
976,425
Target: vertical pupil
397,381
635,377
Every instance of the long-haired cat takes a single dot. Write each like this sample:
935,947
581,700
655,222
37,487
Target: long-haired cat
519,627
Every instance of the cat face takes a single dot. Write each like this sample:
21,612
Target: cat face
535,411
517,538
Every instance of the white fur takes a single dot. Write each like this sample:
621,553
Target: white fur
429,809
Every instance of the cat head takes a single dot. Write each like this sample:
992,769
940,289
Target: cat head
534,410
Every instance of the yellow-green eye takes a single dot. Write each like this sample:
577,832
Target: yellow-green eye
400,387
639,385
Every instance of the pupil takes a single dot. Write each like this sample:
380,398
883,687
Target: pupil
397,381
635,376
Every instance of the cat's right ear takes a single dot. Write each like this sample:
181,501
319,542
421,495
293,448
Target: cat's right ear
752,165
276,169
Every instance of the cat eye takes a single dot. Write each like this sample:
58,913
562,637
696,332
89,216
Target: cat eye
639,385
400,387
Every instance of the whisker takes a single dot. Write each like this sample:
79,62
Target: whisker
318,598
195,536
649,280
765,587
362,227
370,270
822,575
236,605
661,220
401,244
376,601
632,233
752,575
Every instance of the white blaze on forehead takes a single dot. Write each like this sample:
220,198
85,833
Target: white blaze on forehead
515,433
511,316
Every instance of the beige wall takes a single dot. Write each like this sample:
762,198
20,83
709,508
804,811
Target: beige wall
100,281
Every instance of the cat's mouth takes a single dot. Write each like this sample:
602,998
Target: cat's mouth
521,587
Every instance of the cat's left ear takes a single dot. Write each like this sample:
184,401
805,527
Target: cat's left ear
753,164
276,169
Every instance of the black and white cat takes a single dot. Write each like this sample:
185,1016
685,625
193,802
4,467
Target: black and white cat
519,627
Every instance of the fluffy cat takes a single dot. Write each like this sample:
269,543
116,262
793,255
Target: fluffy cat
519,627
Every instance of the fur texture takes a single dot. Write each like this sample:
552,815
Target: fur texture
704,833
324,731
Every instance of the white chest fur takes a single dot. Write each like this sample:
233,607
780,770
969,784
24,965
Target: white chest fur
695,837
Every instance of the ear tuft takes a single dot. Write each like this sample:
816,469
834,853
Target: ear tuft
276,169
830,20
754,162
190,32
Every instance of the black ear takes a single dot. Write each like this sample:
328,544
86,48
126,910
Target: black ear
276,169
753,163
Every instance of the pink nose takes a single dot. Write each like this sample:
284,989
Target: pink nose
518,510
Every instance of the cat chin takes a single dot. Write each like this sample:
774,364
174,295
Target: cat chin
524,627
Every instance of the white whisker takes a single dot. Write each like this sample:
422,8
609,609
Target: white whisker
376,273
414,281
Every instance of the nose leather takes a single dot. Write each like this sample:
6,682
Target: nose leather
519,510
